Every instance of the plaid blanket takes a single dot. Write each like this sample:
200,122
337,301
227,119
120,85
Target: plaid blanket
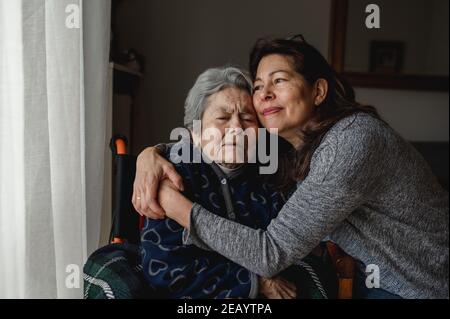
115,272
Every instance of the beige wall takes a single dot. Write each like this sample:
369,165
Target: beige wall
417,116
182,38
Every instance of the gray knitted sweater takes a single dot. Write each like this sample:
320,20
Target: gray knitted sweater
369,191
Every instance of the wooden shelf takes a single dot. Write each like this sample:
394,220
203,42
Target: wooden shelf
123,68
125,79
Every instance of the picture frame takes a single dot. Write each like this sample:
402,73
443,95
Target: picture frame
386,57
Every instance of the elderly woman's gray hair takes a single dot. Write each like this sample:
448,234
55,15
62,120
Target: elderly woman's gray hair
209,82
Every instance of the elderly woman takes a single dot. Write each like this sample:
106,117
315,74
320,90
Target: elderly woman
221,99
358,183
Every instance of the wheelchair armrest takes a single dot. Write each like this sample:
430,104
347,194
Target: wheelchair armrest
344,266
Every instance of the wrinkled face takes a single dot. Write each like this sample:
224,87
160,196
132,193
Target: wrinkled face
283,99
228,114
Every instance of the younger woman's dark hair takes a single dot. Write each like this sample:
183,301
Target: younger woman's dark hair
339,103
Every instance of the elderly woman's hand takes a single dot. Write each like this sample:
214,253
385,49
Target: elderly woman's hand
175,204
277,288
151,169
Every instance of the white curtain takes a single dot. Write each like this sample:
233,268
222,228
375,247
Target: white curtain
53,100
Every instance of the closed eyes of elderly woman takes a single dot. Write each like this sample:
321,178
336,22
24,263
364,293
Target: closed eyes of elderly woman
359,183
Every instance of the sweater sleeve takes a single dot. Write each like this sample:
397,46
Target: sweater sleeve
345,169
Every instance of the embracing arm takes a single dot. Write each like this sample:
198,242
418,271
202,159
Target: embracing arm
151,169
345,170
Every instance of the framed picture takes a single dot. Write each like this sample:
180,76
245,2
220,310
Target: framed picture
386,56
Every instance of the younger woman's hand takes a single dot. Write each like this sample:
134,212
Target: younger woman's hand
175,204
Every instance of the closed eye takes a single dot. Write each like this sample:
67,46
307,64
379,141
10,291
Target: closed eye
257,87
